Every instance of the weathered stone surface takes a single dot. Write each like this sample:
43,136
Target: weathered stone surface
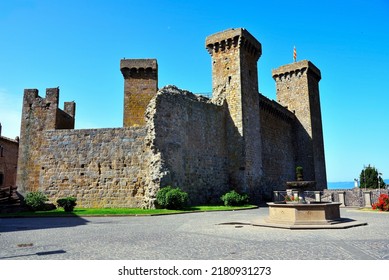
38,114
353,197
140,85
278,145
188,133
100,167
298,90
8,160
303,214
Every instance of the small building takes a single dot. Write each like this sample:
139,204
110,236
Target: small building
8,161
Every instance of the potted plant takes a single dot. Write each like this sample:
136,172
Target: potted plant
291,199
299,173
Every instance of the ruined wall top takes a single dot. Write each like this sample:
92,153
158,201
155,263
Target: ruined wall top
296,68
51,115
235,37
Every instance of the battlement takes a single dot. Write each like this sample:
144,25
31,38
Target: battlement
50,116
233,38
51,99
70,108
297,68
138,68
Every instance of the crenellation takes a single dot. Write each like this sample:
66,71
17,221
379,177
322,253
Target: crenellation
52,96
30,95
297,69
70,108
233,38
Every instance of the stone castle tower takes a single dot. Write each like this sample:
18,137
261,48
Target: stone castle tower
38,115
235,53
140,85
297,86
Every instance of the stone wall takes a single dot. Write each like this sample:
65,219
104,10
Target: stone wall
188,132
354,197
278,147
100,167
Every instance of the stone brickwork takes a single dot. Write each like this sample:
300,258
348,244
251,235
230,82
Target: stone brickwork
140,85
278,145
100,167
38,114
297,87
189,134
234,54
354,197
238,139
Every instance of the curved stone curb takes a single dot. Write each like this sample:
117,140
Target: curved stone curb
342,223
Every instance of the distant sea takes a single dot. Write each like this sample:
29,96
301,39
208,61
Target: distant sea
344,185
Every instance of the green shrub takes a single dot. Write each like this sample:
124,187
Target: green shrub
36,200
233,198
67,203
176,199
161,196
172,198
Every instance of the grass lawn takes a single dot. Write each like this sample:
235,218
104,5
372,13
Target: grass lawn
121,211
372,210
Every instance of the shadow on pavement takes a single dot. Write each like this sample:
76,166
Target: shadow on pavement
22,224
54,252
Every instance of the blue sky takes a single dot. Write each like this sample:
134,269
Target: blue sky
77,45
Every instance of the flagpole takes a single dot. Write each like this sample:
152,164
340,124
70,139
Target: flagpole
294,54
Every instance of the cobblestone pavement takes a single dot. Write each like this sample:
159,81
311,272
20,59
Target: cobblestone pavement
190,236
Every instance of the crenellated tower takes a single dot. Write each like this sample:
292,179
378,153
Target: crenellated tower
39,114
235,53
140,85
297,86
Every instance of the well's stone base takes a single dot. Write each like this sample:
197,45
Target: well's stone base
342,223
304,214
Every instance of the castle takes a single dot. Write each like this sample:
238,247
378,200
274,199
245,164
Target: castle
238,139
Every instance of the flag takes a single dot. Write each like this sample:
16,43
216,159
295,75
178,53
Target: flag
294,54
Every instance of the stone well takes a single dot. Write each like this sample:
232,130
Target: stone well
303,214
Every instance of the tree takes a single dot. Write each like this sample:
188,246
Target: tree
370,178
